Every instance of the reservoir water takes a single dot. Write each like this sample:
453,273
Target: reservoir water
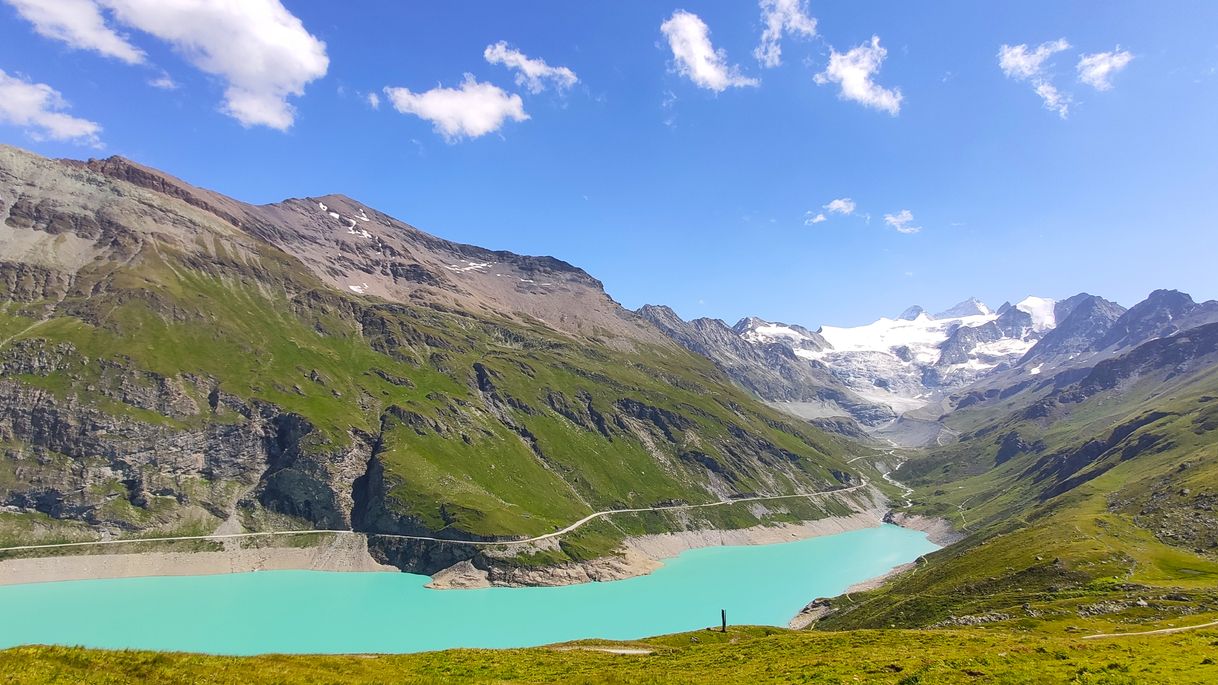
319,612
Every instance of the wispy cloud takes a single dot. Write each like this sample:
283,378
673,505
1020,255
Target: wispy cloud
902,222
854,70
164,82
1021,63
782,17
531,74
696,58
842,205
1097,69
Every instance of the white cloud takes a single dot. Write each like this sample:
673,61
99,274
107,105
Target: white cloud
854,71
1020,63
80,24
472,110
1054,99
374,100
1097,69
164,82
36,107
261,50
812,219
902,221
696,58
782,16
532,74
842,205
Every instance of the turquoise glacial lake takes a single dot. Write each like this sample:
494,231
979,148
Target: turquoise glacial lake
319,612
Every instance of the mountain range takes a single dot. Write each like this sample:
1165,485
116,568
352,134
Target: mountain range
916,363
176,362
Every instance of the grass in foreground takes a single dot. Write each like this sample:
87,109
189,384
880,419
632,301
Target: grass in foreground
742,655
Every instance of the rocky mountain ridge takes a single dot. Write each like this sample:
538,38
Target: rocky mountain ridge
880,371
175,361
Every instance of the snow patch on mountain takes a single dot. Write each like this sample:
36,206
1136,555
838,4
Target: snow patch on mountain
769,333
910,361
1041,310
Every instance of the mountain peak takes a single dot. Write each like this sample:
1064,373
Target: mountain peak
1164,297
912,313
970,307
749,323
759,331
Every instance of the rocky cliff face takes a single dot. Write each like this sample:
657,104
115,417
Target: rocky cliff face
173,359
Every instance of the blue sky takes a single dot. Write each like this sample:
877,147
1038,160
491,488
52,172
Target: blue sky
683,183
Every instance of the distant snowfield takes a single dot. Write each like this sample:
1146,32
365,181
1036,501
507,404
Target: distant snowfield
896,362
922,335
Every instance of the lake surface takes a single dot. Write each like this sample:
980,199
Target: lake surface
320,612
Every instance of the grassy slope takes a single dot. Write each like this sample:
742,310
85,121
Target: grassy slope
743,655
1108,504
266,331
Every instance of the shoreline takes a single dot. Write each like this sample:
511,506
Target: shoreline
346,553
640,555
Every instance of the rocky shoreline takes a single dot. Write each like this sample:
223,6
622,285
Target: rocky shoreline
638,556
939,531
643,554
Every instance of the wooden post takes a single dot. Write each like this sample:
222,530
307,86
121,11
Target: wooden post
723,617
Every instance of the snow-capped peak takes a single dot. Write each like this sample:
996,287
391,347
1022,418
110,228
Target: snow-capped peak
970,307
1041,311
762,332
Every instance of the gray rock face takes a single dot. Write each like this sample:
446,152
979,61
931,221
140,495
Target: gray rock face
961,343
1088,322
1062,308
1162,313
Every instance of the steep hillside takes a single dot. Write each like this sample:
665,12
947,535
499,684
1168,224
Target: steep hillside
174,360
1095,493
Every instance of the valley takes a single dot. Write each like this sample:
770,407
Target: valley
194,386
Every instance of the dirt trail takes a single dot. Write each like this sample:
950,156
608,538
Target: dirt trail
1161,631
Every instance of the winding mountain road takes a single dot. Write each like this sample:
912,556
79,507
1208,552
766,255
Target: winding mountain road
477,543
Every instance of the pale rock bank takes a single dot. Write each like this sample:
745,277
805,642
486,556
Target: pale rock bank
939,531
642,555
342,553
